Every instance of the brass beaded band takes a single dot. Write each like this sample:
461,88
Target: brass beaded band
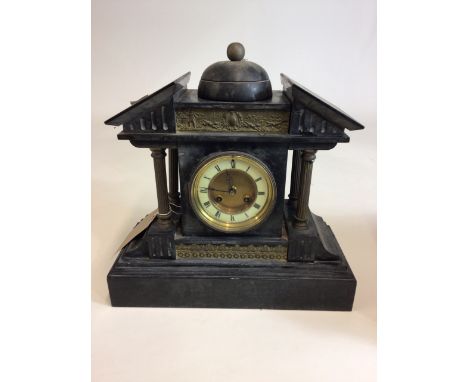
222,251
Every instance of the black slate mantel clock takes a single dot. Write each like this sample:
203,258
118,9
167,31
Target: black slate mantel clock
228,237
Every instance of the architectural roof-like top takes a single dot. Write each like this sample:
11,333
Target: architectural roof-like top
176,114
148,103
304,97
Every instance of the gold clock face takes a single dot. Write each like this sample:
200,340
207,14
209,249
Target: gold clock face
233,192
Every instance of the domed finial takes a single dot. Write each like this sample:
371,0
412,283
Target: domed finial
235,51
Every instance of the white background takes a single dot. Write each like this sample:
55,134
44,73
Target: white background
329,47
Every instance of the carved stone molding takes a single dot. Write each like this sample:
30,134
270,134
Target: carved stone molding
231,252
258,121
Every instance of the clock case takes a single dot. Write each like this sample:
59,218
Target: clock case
283,263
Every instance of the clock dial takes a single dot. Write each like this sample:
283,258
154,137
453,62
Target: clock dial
233,192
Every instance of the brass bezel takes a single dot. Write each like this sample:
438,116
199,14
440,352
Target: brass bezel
229,227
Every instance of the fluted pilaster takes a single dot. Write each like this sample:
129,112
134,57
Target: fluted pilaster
295,176
174,196
161,183
308,157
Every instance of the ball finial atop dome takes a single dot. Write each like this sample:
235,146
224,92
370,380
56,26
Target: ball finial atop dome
235,51
237,80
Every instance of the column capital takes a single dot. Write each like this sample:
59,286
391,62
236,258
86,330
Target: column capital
309,155
158,153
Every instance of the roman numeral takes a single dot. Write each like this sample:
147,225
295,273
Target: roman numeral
218,214
248,168
207,178
257,206
261,192
218,168
204,190
258,179
233,163
207,204
245,213
232,218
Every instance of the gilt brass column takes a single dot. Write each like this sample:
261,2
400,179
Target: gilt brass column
300,219
174,196
295,176
164,212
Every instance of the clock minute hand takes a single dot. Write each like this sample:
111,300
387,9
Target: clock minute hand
215,189
229,179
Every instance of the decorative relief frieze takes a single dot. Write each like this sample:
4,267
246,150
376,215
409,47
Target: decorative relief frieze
231,252
255,121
